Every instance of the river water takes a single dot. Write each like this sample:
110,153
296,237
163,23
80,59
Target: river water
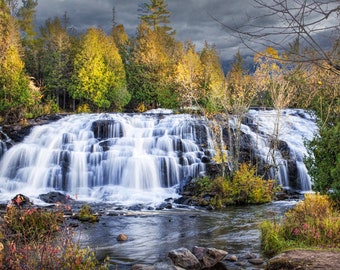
152,234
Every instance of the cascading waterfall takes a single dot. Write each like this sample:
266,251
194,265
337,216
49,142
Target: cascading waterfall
138,158
295,126
114,157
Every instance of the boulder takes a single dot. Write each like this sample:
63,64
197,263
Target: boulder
20,201
122,237
55,197
183,257
208,257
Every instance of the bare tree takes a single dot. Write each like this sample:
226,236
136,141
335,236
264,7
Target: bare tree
313,24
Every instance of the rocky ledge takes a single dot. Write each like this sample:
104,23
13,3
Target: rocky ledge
305,259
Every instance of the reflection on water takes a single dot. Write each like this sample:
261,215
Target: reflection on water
152,234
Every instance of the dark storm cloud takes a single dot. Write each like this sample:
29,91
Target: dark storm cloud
190,18
196,20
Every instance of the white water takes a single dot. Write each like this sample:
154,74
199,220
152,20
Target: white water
295,127
111,157
130,159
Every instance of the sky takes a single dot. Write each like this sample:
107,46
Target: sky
192,19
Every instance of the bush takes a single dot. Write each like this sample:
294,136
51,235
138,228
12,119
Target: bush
34,238
313,222
244,188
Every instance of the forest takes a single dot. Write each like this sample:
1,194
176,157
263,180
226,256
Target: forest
56,69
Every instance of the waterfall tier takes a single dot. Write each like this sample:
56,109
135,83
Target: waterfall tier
108,156
134,158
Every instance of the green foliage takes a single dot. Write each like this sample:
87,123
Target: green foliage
99,75
324,163
85,214
312,223
38,239
244,188
32,223
156,15
271,243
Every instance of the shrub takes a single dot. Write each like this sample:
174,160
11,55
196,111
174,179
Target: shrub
244,188
249,188
313,222
34,238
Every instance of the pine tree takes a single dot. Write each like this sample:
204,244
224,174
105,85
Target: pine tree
56,56
156,16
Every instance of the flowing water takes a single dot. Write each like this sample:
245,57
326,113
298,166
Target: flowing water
139,158
119,160
152,234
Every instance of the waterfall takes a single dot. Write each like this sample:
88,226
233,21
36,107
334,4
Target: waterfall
295,126
133,158
114,157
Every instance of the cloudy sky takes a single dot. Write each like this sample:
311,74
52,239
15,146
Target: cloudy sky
192,19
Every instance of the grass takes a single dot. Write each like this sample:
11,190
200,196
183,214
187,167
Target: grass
313,223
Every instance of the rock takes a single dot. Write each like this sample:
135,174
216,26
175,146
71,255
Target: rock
85,214
183,257
249,255
305,259
55,197
20,201
256,261
122,237
208,257
142,267
231,258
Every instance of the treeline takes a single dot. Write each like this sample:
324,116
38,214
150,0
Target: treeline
56,69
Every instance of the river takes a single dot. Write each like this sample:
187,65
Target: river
152,234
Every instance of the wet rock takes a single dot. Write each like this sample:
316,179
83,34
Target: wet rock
136,207
142,267
55,197
231,258
164,206
86,214
122,237
205,159
17,132
183,257
208,257
256,261
108,128
249,255
20,201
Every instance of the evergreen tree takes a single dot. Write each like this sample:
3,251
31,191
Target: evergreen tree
150,70
56,56
156,16
25,17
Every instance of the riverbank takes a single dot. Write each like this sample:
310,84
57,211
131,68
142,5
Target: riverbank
305,259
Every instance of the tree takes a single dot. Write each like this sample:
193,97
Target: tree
272,76
238,95
324,161
25,17
15,94
189,77
99,76
56,57
213,80
156,16
150,70
309,22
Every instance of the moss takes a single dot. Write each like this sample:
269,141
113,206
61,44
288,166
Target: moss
85,214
